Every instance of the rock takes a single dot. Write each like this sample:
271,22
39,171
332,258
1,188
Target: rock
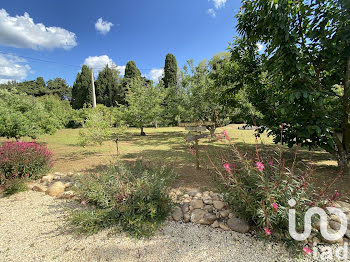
200,216
344,205
199,195
56,188
223,226
192,193
238,225
317,225
70,174
185,207
66,195
208,201
30,186
219,205
68,185
196,204
187,217
177,214
48,179
335,218
209,208
231,215
224,213
215,196
215,224
186,195
334,225
39,188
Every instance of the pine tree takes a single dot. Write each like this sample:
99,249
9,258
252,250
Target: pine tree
81,92
107,87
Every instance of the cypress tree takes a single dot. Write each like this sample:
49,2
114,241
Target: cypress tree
81,92
170,71
131,70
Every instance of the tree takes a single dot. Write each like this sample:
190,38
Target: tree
107,87
307,66
170,71
59,87
82,90
143,103
23,115
131,70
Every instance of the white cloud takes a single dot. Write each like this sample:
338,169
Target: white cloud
97,63
211,12
22,32
260,47
155,74
103,27
13,68
219,3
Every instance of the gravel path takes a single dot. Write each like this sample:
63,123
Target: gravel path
31,229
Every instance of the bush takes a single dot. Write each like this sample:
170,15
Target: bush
258,188
15,186
23,160
133,198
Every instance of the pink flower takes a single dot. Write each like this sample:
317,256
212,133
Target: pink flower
271,163
226,135
275,206
191,151
219,136
83,202
267,231
307,251
260,166
312,204
227,167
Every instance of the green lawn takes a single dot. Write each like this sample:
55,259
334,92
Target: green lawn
167,146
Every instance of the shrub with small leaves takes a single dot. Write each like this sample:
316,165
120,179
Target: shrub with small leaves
15,186
134,198
23,160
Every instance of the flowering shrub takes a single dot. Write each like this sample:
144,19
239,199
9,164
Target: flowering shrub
134,198
23,160
258,188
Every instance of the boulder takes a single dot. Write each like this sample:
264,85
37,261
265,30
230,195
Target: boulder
238,225
224,213
48,179
196,204
177,214
209,208
185,207
219,205
56,188
39,188
187,217
66,195
200,216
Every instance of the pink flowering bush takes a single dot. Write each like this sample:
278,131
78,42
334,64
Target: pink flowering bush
258,187
23,160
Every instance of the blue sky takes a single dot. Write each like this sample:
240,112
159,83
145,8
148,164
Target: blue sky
71,33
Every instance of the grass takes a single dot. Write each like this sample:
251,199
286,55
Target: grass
167,145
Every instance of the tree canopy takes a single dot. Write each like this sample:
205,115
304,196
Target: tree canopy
82,90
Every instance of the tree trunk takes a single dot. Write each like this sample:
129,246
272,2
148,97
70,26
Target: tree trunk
142,132
212,131
343,161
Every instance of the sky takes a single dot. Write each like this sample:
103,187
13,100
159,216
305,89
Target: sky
55,38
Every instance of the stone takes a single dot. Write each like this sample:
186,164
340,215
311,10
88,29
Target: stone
199,195
30,186
219,205
335,218
192,193
209,208
56,188
196,204
68,185
224,213
231,215
48,179
177,214
70,174
187,217
334,225
215,196
208,201
344,205
215,224
39,188
238,225
223,226
186,195
185,207
202,217
66,195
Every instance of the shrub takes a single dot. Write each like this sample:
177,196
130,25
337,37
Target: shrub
23,160
15,186
133,198
258,188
